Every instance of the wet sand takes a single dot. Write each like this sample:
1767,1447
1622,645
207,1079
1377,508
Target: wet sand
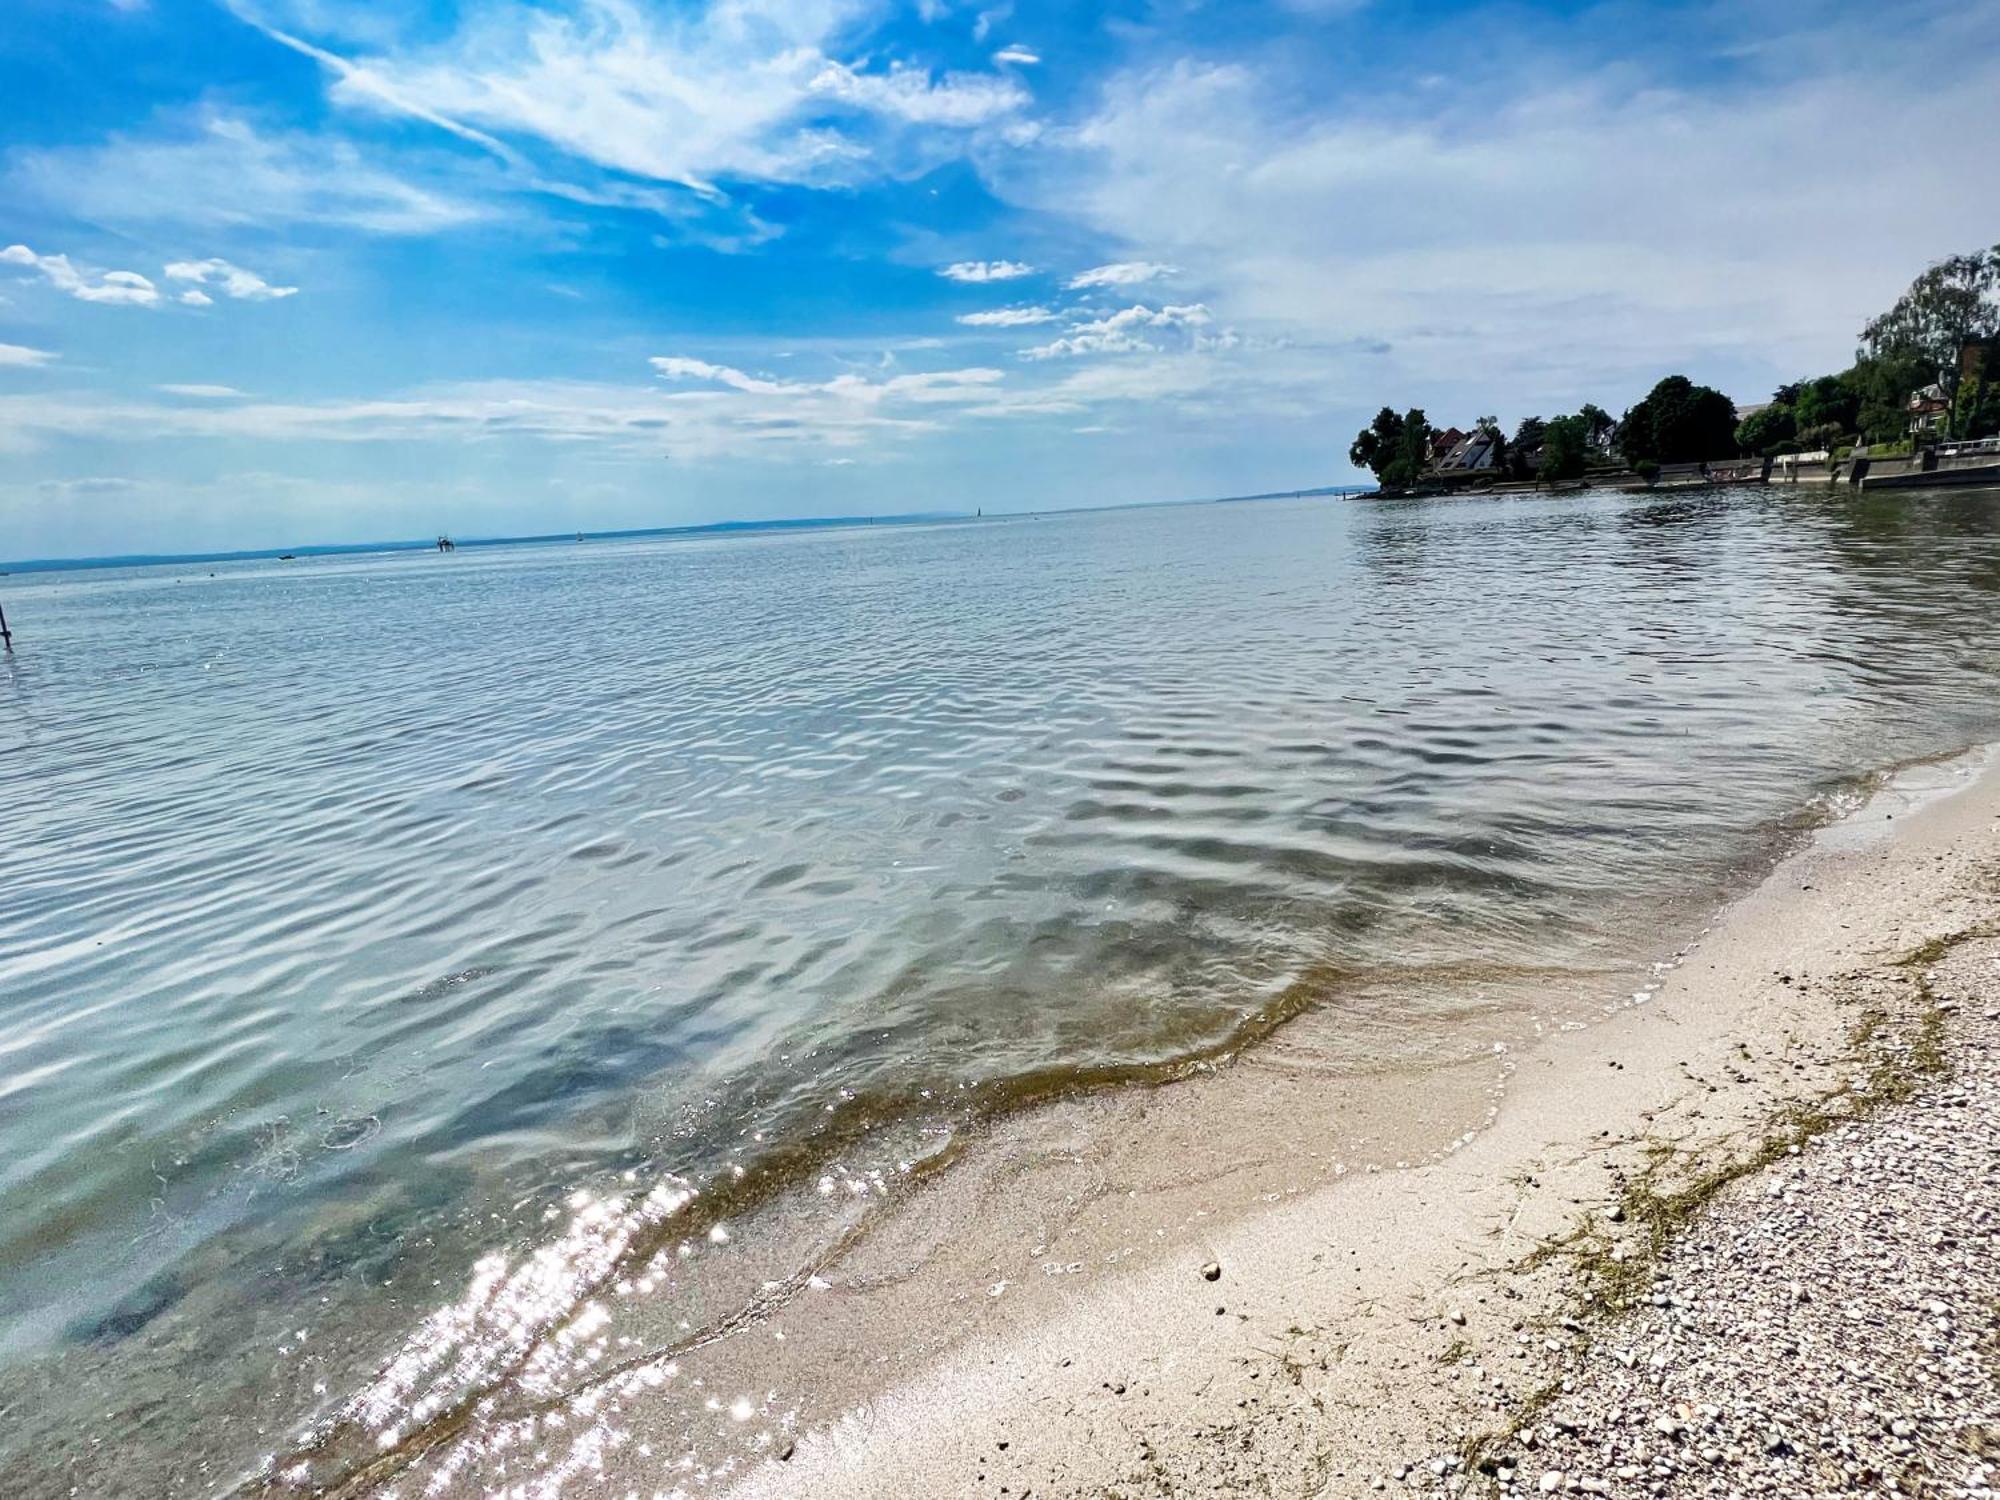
1202,1291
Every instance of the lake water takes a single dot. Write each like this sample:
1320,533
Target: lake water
368,922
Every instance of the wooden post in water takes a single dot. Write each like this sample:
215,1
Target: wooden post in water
6,635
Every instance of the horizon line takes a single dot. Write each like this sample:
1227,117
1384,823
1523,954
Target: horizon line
783,523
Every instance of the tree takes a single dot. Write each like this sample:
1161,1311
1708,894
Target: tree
1679,422
1375,446
1950,305
1827,401
1412,451
1763,431
1525,450
1976,414
1882,384
1565,448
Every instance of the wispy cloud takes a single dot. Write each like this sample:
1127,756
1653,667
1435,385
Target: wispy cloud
976,271
1017,56
20,356
88,485
1119,273
1008,317
219,169
203,392
700,410
232,280
116,288
694,95
912,94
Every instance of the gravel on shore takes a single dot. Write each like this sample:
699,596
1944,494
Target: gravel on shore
1826,1325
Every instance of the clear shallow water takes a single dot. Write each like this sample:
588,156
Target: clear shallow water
354,913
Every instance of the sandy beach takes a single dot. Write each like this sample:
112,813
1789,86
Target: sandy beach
1146,1323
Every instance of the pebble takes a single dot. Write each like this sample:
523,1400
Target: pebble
1829,1326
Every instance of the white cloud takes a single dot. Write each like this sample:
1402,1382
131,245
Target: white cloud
674,367
930,388
221,170
959,99
985,270
691,95
701,410
118,288
1119,273
1576,241
1124,332
203,392
233,280
709,411
20,356
1018,56
196,298
1008,317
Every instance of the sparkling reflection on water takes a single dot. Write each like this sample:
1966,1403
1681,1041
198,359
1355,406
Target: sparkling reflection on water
356,913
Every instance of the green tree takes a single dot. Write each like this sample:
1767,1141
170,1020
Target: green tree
1565,448
1526,447
1679,422
1952,304
1763,431
1376,446
1883,384
1412,451
1827,401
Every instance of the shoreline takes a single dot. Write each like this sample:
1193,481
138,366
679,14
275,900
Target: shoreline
1040,1318
1321,1358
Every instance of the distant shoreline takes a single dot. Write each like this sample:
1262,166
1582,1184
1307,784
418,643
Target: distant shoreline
637,533
356,549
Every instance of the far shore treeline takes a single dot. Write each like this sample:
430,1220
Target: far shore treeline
1926,370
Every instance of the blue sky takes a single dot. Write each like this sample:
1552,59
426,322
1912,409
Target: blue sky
275,271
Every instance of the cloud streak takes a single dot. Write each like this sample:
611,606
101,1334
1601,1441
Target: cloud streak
1119,273
749,90
111,288
217,169
1008,317
232,280
978,272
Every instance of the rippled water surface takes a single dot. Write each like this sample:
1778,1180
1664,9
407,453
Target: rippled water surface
355,913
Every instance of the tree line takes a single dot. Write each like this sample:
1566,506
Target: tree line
1954,306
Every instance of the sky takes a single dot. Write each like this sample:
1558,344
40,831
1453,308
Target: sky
286,271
